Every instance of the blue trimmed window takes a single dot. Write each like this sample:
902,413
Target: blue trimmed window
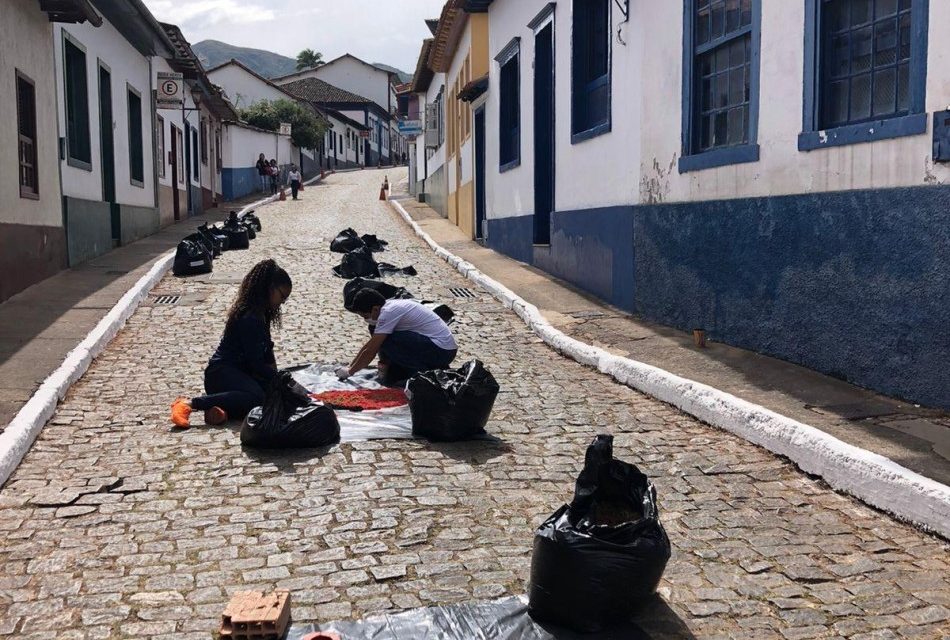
720,83
865,71
509,109
590,69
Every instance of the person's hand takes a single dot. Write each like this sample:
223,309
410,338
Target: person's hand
343,373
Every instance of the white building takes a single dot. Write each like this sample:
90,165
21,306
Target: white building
429,158
106,122
772,172
33,239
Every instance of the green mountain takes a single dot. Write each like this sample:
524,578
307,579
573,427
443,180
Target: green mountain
212,53
403,76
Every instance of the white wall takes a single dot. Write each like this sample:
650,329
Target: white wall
26,45
436,156
242,146
127,66
358,78
598,172
461,166
243,88
782,169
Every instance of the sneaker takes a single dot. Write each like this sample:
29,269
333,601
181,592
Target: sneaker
181,413
215,416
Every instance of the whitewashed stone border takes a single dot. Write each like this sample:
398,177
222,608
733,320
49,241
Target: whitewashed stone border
868,476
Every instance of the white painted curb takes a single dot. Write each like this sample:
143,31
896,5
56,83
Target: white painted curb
870,477
22,431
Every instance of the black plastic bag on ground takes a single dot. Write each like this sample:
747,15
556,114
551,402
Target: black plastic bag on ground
389,269
373,243
598,559
452,404
234,224
205,241
250,219
238,237
289,419
358,263
191,258
388,291
346,241
216,233
217,244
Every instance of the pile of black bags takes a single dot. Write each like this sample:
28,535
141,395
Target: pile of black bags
452,404
195,252
360,263
599,558
348,240
289,419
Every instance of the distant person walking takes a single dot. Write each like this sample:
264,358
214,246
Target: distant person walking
274,172
294,178
263,170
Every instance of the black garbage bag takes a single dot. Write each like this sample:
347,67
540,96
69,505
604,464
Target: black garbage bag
599,558
238,237
373,243
387,269
289,419
452,404
221,236
211,239
358,263
444,311
250,219
388,291
205,241
191,258
346,241
234,223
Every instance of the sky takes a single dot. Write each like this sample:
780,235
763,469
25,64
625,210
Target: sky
387,31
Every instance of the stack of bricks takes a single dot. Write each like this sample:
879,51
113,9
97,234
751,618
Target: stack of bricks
255,615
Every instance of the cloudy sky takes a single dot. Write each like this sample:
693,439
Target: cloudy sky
387,31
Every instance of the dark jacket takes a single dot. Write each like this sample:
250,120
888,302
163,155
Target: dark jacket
263,167
247,345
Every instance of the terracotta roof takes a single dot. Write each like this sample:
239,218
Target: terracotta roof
423,75
318,91
447,36
474,89
433,24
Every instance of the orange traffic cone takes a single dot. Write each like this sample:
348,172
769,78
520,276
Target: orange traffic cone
382,192
282,196
300,188
323,174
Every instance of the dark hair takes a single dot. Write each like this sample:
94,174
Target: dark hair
254,295
366,299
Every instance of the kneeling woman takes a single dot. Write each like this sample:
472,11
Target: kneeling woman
243,364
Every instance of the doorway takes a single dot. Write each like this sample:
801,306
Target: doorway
544,164
480,173
107,149
176,170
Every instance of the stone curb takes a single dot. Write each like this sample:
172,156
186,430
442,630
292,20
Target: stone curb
870,477
18,437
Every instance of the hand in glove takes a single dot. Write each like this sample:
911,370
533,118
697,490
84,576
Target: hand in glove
343,373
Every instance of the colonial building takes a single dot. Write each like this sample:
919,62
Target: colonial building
33,243
428,169
772,172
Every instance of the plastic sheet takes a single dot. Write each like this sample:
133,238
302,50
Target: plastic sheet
289,419
191,258
451,405
505,619
598,559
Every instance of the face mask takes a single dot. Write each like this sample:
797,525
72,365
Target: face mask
370,322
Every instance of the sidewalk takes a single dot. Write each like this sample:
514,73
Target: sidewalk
915,437
42,324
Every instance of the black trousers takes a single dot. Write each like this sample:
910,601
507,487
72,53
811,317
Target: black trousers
294,188
230,388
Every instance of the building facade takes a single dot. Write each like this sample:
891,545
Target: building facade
791,199
429,159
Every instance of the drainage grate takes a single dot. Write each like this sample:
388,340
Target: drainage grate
167,299
460,292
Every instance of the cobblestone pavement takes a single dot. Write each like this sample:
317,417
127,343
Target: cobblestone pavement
114,526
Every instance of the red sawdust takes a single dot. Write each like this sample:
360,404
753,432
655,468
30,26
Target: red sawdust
363,399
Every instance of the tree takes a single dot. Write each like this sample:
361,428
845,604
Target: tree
306,128
308,59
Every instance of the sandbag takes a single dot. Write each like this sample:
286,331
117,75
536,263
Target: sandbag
289,419
373,243
358,263
452,404
346,241
250,219
388,291
596,560
191,258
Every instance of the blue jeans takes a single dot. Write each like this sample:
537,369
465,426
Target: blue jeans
230,388
409,353
265,182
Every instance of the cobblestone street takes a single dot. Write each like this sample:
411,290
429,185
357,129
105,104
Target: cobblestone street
115,526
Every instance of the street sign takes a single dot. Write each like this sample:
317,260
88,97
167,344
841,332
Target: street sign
410,127
171,90
285,128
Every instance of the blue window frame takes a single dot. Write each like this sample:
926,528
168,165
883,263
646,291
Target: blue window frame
590,69
720,83
865,71
509,106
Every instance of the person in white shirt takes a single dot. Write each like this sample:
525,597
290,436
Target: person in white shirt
408,337
294,177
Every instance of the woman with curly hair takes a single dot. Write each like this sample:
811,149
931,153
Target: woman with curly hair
243,363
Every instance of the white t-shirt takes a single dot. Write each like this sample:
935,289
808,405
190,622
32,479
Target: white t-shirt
409,315
294,175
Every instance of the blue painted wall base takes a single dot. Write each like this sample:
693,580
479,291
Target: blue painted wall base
239,182
852,284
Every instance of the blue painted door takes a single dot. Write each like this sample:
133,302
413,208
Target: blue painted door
479,173
543,134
